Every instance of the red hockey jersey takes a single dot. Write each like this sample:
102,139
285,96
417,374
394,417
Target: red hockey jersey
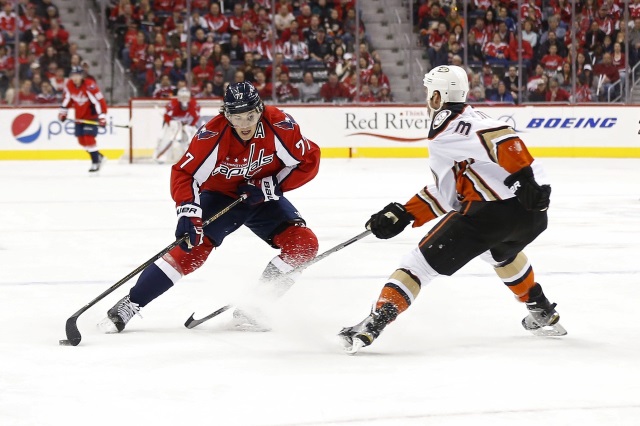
218,160
189,116
86,99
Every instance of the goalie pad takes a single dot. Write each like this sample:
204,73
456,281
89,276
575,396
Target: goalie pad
171,133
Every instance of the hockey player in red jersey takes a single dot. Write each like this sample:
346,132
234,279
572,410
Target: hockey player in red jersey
179,125
89,105
494,201
249,149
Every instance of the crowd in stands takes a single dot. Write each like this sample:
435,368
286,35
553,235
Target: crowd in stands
301,51
44,53
495,51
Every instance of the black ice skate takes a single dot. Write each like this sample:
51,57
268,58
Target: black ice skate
543,320
95,167
119,315
363,334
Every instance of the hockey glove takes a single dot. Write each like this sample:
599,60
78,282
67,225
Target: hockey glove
531,195
62,115
260,190
390,221
102,120
190,222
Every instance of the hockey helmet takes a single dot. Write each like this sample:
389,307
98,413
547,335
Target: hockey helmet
450,81
76,69
242,105
184,95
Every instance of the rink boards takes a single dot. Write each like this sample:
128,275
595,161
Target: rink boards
341,131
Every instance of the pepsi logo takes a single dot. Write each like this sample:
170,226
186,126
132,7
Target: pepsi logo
26,128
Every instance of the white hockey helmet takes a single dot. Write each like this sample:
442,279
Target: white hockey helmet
450,80
184,95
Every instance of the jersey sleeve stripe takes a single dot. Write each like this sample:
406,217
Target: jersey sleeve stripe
205,169
432,202
95,102
481,187
490,138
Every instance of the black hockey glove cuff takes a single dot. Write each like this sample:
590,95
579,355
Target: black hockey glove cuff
531,195
390,221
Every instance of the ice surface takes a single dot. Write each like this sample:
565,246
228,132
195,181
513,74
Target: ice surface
458,357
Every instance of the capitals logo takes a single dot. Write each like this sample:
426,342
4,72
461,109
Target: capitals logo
26,128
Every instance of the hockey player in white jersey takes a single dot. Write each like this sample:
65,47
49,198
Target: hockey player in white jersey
494,199
179,125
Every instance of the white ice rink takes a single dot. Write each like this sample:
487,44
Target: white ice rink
459,356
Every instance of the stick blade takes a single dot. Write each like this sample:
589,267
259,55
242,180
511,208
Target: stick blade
73,334
190,321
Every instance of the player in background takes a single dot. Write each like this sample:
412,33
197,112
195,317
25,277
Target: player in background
179,125
251,149
498,200
82,93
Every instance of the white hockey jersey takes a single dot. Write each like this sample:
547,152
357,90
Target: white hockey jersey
470,156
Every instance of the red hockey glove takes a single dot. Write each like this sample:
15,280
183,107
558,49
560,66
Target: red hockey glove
102,121
260,190
62,115
190,222
531,195
390,221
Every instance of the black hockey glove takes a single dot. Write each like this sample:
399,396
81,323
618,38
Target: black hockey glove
260,190
531,195
390,221
190,222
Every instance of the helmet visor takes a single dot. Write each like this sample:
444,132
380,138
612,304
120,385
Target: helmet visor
244,120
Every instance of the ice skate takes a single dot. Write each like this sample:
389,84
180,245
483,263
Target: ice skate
119,315
363,334
543,320
95,167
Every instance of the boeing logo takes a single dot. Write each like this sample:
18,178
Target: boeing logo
572,123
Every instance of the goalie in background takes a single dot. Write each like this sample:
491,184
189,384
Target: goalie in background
181,116
494,200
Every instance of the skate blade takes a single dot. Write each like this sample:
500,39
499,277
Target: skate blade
107,326
554,330
354,347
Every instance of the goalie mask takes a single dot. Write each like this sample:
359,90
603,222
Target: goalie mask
184,96
450,81
242,105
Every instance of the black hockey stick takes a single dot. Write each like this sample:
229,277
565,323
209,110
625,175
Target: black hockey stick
71,328
191,322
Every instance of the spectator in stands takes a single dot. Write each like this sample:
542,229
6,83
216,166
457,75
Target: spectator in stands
539,93
177,72
491,90
594,37
553,40
474,49
319,47
365,95
486,75
555,92
152,76
218,85
376,70
496,51
203,71
234,49
283,18
57,80
57,36
553,27
285,91
434,42
505,17
349,27
310,32
26,95
619,61
228,71
634,41
375,85
333,24
308,88
606,75
429,23
385,94
476,89
531,11
520,49
511,82
529,34
261,83
47,95
295,50
164,89
565,76
333,90
278,62
502,95
322,9
239,77
551,61
218,24
8,22
583,88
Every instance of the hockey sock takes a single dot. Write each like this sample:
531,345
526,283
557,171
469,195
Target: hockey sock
401,290
152,283
95,157
517,275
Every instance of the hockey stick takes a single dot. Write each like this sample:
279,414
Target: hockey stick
71,328
95,123
191,322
